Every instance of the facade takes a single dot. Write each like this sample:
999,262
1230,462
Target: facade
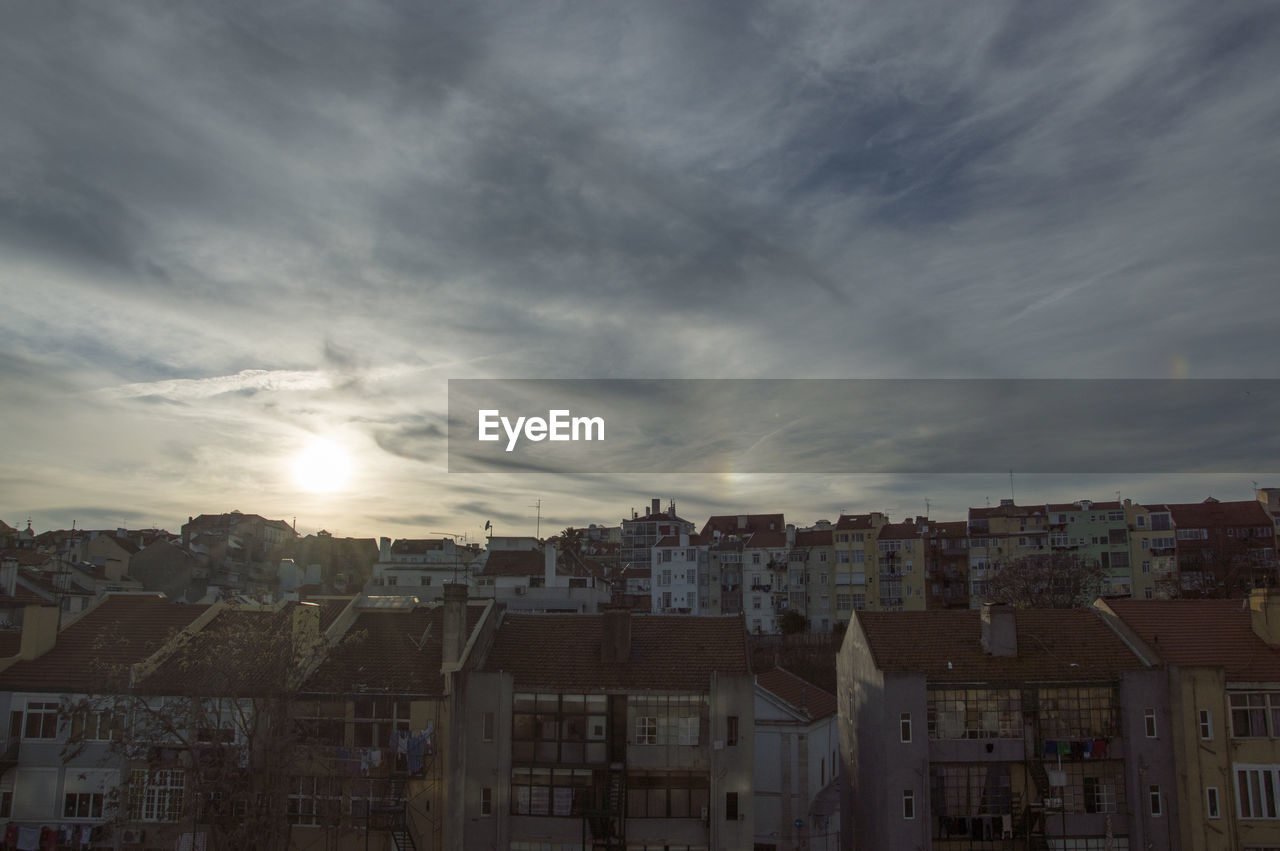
1003,729
421,567
607,731
680,571
947,566
640,533
1222,664
796,755
898,582
855,552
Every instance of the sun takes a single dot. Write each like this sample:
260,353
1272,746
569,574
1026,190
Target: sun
322,466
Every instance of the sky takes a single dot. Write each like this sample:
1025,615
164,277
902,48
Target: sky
232,233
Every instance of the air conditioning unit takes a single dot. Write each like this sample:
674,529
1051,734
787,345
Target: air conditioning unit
133,836
520,589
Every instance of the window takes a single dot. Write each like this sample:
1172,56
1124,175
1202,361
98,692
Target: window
1206,725
1251,712
552,728
908,804
731,730
1153,796
730,806
661,793
1149,720
486,801
156,795
755,558
904,727
377,719
486,727
976,713
42,721
85,793
1211,804
1078,712
424,580
1256,787
549,791
647,730
314,801
91,726
392,579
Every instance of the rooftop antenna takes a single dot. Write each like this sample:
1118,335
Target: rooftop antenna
1011,496
926,506
537,533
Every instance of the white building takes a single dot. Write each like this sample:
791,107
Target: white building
678,571
796,754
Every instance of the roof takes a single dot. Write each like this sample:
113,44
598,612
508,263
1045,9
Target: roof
899,531
1203,515
847,522
951,529
815,538
696,540
728,524
514,563
98,648
240,652
668,652
10,643
417,546
390,651
1006,511
25,557
1211,633
798,693
946,646
766,540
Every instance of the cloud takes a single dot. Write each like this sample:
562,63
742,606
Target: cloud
261,223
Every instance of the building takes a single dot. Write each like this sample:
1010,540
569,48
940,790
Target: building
1222,663
947,566
421,566
1003,729
607,731
680,572
797,752
639,534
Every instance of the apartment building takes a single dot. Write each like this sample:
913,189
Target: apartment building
681,575
640,533
607,731
998,728
1222,664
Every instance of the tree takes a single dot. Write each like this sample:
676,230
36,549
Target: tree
1055,581
569,541
792,622
205,733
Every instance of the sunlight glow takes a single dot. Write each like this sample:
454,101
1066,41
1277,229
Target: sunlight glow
322,467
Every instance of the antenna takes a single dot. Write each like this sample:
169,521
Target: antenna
1012,498
538,527
926,506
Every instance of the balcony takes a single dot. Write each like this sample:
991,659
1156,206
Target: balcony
764,588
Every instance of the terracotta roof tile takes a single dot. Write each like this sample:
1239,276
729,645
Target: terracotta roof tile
389,651
854,522
1212,633
766,540
907,531
99,647
727,524
798,692
514,563
815,538
668,652
1053,644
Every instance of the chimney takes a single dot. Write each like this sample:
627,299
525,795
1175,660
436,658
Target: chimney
186,532
549,566
999,630
656,507
306,632
742,522
455,623
616,646
39,631
1264,613
384,550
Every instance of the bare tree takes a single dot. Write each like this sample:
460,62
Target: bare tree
1054,581
206,730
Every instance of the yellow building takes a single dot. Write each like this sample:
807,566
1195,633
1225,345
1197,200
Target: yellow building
855,551
1223,666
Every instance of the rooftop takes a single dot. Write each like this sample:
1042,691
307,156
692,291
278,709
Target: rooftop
946,646
1211,633
798,693
98,648
668,652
